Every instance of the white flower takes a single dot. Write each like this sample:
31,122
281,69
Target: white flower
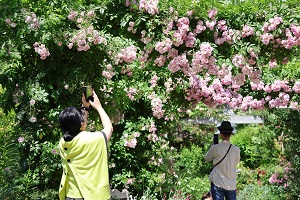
32,119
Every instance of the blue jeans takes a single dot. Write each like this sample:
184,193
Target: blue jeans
219,193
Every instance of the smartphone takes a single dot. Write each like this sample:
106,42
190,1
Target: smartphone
216,138
88,93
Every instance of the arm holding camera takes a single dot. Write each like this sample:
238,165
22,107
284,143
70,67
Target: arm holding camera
85,106
106,122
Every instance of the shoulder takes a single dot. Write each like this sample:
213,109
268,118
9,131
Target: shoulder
214,147
91,136
61,142
236,148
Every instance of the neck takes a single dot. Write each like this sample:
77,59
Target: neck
226,138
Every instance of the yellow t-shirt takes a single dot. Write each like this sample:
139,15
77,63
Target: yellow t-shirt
85,167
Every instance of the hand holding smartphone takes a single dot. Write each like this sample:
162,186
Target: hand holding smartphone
88,93
216,139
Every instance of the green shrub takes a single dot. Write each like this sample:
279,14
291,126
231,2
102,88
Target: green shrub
9,155
192,171
266,192
285,123
257,145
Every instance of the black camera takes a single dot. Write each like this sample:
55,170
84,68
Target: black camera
88,93
216,138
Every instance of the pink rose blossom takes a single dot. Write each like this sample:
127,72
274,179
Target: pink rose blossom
130,181
210,24
32,102
272,63
130,143
212,13
54,151
21,139
8,21
296,87
190,13
91,14
41,50
152,128
136,134
72,16
247,31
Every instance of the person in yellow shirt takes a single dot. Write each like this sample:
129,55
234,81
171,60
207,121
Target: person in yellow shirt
84,154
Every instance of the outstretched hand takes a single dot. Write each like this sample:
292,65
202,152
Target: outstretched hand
96,103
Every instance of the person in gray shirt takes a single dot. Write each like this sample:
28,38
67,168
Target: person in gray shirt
225,157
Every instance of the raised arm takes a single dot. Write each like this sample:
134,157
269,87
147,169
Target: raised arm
85,106
107,125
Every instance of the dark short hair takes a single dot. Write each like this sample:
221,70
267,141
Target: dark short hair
70,120
226,134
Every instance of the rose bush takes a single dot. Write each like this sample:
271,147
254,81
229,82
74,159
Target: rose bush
152,66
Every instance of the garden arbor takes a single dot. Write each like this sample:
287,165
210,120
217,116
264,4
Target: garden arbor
230,116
